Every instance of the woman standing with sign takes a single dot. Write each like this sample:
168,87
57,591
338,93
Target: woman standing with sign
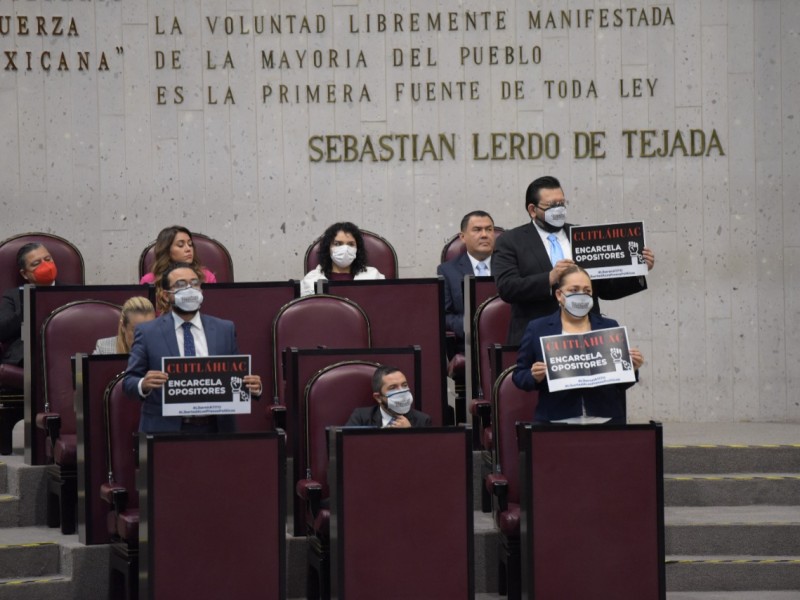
574,316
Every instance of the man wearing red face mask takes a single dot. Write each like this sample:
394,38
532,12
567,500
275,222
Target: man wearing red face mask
37,267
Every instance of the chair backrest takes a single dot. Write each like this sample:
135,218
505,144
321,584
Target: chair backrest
380,254
456,247
121,414
67,257
213,256
330,397
317,321
510,405
72,328
490,327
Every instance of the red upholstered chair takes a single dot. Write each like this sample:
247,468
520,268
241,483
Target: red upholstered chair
380,254
510,405
490,327
68,330
213,256
330,398
319,321
67,257
121,426
69,262
455,247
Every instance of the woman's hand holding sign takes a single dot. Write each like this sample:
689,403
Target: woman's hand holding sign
253,384
539,371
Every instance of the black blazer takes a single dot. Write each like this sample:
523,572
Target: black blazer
11,312
370,416
521,269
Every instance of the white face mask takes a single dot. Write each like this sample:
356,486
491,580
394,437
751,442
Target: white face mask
400,401
556,216
579,304
189,299
343,256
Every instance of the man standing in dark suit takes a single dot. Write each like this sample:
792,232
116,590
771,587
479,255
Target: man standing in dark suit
530,259
477,233
36,266
182,331
390,391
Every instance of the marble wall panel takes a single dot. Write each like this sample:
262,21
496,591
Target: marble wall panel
768,245
790,121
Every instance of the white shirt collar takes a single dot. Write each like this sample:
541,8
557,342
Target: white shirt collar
195,321
386,418
474,261
561,236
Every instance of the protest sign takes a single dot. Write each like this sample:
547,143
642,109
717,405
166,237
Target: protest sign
205,385
608,251
591,359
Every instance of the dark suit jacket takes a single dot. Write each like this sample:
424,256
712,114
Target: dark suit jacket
521,268
603,401
370,416
11,313
156,339
453,272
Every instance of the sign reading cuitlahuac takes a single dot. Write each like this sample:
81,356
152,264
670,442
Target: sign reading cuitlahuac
205,385
390,72
611,250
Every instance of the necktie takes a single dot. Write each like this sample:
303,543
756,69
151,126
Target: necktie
482,269
556,254
188,340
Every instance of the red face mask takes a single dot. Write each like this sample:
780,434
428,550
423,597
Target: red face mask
45,273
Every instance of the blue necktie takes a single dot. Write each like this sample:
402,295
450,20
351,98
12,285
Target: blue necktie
482,269
556,254
188,340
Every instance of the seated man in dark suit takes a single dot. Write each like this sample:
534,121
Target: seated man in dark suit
37,267
182,331
390,390
477,233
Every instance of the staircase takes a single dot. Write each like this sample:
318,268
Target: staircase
732,521
732,525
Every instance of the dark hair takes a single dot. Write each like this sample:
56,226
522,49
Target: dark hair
163,260
569,271
474,213
178,265
379,374
162,247
542,183
325,260
23,252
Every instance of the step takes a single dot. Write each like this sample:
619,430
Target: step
733,572
29,559
734,489
40,588
732,458
23,502
50,566
733,530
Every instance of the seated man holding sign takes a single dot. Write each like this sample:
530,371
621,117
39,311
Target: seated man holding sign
578,360
201,386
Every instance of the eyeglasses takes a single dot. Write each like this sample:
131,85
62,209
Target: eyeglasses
563,204
182,284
